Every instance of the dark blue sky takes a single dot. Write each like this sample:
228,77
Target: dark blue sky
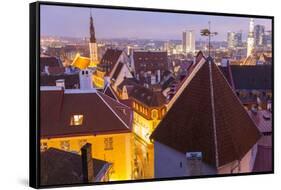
74,22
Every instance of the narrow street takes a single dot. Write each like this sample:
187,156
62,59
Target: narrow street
143,167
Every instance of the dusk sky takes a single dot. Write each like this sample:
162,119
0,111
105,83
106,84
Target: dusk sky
109,23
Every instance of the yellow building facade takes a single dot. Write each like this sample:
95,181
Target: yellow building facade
117,149
98,78
146,119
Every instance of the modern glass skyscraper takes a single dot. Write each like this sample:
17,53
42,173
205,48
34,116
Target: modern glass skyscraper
188,41
259,31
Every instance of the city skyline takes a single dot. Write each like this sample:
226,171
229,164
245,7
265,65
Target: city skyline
74,22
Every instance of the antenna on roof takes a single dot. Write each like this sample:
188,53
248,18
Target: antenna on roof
207,32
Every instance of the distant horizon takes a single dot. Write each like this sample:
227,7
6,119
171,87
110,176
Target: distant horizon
73,22
127,38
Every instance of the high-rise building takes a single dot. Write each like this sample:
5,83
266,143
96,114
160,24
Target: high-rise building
267,38
230,39
234,39
258,34
93,44
238,39
188,41
250,40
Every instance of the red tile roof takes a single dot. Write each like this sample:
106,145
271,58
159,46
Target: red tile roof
109,60
101,114
263,120
110,92
49,62
147,96
56,70
59,167
152,60
207,116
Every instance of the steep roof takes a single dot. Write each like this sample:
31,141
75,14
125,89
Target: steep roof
81,62
49,61
207,116
117,70
153,60
109,60
59,167
70,80
252,77
263,120
110,92
101,114
128,82
148,96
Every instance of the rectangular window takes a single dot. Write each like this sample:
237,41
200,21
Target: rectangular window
65,145
108,143
76,120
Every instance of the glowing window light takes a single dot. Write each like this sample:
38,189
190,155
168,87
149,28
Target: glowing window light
76,120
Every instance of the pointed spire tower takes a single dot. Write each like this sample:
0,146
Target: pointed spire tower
250,40
93,44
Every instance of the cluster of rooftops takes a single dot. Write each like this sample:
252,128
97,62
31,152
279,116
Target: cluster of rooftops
204,113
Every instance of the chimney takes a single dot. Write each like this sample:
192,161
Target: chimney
106,81
87,163
254,109
158,76
46,69
85,78
194,163
225,62
60,83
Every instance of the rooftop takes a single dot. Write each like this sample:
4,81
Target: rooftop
207,116
147,96
58,107
60,167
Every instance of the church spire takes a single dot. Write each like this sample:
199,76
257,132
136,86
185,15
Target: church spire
92,29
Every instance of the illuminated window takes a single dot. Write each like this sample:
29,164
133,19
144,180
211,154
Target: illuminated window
43,146
82,142
65,145
76,120
163,112
154,114
108,143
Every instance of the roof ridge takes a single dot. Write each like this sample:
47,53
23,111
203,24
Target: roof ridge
185,83
241,104
113,111
213,111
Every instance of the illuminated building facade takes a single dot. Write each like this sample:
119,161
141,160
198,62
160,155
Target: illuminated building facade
72,118
251,39
149,109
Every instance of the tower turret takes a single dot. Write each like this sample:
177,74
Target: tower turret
93,44
250,40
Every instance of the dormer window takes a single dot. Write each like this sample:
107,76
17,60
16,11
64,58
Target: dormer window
76,120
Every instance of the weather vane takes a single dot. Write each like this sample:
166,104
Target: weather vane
207,32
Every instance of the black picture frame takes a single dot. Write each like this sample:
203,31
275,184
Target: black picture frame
34,90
